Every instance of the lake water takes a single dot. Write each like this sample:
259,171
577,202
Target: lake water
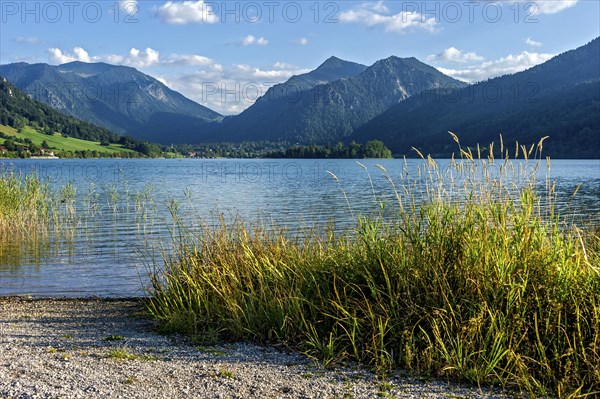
122,210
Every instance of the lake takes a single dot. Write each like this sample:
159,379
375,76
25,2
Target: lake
121,221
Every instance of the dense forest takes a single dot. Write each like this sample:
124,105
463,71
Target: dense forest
268,149
372,149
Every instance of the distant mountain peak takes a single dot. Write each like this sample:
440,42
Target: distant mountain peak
334,62
332,100
397,60
331,70
335,68
564,106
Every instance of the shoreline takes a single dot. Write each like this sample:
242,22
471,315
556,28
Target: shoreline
108,348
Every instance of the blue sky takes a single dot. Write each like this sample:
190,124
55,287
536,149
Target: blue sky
224,54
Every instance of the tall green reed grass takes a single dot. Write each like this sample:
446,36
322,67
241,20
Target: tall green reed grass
474,276
24,205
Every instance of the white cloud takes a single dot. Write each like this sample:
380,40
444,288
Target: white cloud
162,80
452,54
372,15
187,12
505,65
283,65
250,73
29,40
187,60
135,58
549,6
252,40
57,56
301,42
533,43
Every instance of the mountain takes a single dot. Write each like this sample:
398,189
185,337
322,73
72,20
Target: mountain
30,122
317,111
117,97
559,99
331,70
17,110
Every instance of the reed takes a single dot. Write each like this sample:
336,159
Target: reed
24,205
473,276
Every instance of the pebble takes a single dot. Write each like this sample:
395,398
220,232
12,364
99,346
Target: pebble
55,348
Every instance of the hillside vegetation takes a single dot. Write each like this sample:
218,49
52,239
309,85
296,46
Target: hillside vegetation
65,147
26,125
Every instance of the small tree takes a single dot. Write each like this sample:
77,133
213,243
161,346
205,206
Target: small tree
10,145
376,149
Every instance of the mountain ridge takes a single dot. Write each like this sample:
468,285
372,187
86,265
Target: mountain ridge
25,118
330,111
478,114
119,98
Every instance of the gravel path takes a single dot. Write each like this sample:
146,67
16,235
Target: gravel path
63,348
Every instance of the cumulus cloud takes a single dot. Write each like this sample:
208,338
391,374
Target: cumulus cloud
250,73
187,60
251,40
452,54
57,56
505,65
135,58
283,65
372,15
533,43
186,12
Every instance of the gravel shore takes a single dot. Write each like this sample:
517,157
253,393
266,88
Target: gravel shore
108,349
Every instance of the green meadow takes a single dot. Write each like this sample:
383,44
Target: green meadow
59,142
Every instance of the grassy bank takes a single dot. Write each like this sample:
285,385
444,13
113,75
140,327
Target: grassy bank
478,281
